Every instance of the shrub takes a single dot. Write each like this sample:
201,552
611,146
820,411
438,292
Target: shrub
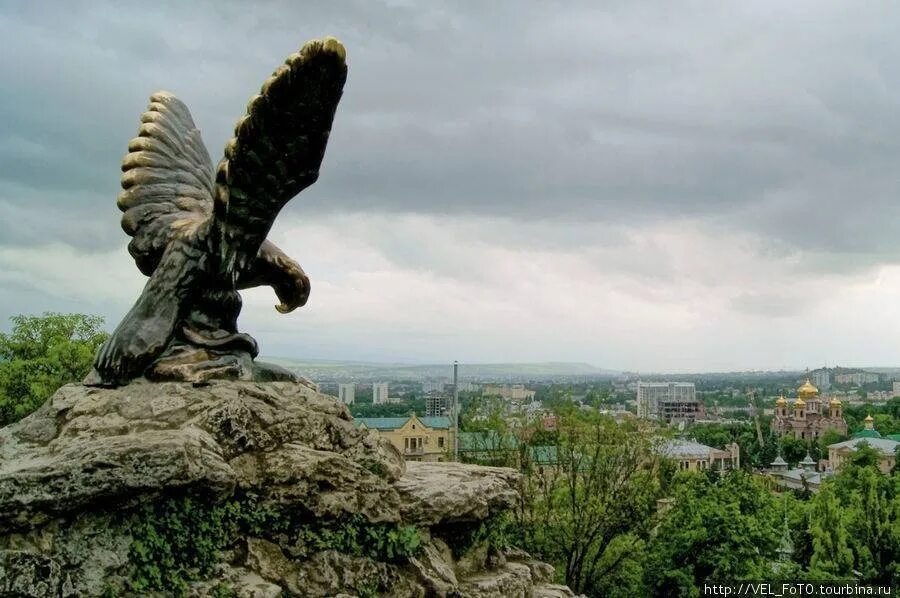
181,538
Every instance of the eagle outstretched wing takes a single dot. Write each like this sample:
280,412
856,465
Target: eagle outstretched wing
277,149
167,180
168,184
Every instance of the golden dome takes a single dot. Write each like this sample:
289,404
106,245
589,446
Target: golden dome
807,390
869,419
835,402
781,401
799,402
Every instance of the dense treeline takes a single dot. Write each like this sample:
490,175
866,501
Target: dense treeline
618,520
409,405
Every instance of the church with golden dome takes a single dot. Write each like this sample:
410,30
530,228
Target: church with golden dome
808,416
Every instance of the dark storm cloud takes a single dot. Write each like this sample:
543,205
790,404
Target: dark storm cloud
763,117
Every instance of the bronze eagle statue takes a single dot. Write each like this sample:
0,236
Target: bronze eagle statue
200,234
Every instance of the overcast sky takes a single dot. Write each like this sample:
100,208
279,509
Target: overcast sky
648,186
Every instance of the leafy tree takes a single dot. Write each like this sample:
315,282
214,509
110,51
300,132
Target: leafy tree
869,506
401,409
668,476
887,417
562,405
623,564
40,354
832,557
793,449
489,439
715,435
720,527
484,413
588,509
863,456
886,423
542,437
753,454
760,455
798,515
874,523
893,408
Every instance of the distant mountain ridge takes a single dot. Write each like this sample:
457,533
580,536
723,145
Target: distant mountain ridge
329,369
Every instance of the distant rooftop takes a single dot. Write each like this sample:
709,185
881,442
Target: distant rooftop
438,422
681,447
381,423
800,475
884,445
393,423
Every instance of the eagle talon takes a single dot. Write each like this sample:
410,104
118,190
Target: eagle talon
293,292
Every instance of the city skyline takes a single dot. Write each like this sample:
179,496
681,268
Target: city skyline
640,188
436,375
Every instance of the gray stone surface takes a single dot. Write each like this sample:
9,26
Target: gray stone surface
242,582
67,470
28,575
89,446
437,493
434,568
549,590
325,483
513,580
329,573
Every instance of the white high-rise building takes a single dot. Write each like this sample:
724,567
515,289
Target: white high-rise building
856,378
649,394
821,379
347,393
379,393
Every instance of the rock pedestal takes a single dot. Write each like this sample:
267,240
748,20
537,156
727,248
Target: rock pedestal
76,476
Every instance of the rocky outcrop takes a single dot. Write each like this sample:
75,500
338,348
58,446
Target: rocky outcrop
313,506
437,493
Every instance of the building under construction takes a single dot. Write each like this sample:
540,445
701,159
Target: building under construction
437,404
681,411
669,401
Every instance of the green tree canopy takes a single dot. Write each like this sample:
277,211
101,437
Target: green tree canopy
793,450
855,522
40,354
588,500
719,527
831,556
